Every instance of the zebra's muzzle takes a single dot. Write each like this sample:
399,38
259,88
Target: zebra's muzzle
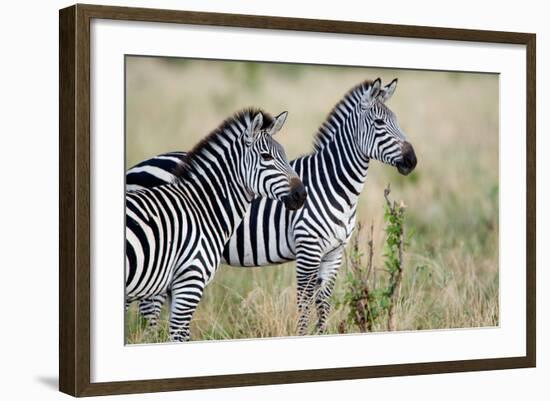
296,196
408,159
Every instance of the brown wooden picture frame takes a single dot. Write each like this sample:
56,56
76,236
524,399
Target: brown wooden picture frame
74,199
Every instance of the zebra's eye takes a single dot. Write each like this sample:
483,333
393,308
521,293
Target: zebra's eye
266,156
379,121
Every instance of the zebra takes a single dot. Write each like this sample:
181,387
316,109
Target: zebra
176,232
360,127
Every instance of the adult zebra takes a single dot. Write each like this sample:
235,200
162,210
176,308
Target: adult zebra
359,128
175,233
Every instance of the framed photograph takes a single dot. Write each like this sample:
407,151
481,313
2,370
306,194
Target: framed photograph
249,200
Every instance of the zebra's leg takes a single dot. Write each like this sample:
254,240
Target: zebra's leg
308,259
150,308
186,291
327,277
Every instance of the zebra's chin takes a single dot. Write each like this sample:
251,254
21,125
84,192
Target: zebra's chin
404,170
292,204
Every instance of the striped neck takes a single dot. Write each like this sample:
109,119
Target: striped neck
336,119
213,173
214,182
345,165
336,145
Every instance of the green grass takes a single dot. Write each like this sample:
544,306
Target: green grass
451,267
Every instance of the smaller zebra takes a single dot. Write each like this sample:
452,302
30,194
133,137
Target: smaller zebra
176,232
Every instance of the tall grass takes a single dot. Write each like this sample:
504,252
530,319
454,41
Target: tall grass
450,277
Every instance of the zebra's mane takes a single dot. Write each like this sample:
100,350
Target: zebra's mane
241,118
327,130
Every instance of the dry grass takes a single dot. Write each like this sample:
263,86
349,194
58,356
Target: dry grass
451,270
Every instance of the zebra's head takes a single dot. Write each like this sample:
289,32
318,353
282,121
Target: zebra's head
380,137
267,171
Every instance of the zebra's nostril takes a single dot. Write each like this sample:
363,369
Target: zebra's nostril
300,192
297,194
409,157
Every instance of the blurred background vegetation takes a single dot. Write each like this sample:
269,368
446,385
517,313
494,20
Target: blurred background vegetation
450,277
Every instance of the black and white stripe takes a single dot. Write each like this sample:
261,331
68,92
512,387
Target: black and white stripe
153,172
175,232
359,128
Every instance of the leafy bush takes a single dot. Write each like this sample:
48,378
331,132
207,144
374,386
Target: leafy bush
366,299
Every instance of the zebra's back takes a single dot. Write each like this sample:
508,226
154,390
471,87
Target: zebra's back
153,172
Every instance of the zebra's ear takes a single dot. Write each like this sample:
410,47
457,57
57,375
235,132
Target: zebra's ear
257,123
371,94
278,123
255,128
387,91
